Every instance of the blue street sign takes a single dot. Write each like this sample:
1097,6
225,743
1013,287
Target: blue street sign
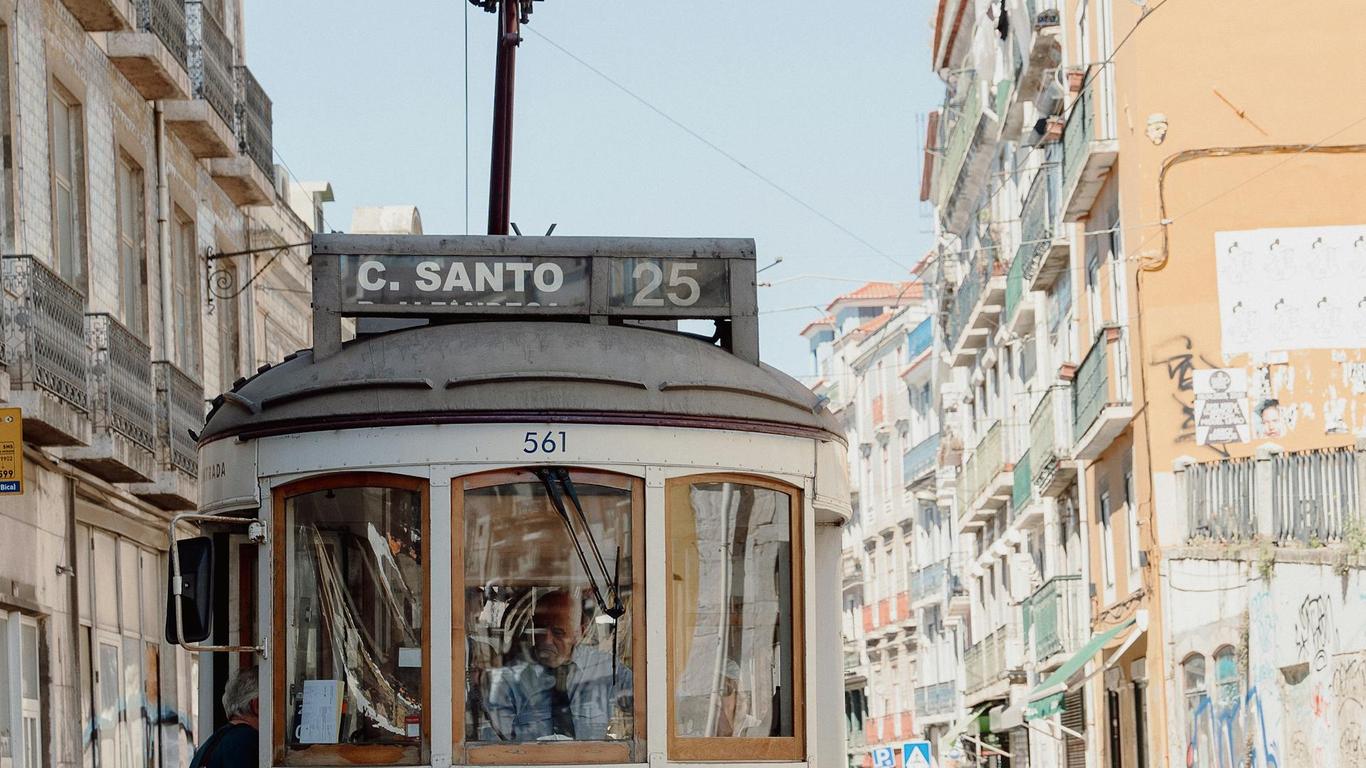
916,754
884,757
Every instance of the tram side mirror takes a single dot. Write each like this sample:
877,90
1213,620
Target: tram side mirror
193,584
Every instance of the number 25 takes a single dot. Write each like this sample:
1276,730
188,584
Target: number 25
653,277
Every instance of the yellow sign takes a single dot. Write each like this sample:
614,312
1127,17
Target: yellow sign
11,451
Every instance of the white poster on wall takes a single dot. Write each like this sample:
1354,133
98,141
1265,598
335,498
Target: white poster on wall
1291,288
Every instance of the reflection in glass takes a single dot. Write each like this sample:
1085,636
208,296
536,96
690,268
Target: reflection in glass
545,659
355,595
731,555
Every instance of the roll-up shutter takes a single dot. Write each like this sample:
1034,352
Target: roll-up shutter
1074,717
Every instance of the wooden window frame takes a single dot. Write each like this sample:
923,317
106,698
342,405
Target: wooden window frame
189,335
727,749
75,142
552,753
344,754
134,240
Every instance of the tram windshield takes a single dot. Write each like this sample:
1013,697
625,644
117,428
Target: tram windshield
548,641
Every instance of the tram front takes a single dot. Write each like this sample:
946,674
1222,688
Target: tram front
520,519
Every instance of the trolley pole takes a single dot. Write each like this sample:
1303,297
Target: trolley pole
511,15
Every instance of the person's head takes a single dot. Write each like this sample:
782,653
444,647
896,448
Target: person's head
241,701
556,629
1270,414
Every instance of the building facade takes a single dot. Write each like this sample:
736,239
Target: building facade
871,358
1149,298
149,260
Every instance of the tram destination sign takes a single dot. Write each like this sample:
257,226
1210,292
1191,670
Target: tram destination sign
589,278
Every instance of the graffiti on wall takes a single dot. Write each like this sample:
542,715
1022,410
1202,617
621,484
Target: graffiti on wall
1177,358
1314,630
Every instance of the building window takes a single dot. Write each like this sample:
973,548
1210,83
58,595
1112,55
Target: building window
352,552
131,214
1141,724
1116,739
19,685
735,618
1131,516
550,583
7,196
1228,700
1198,715
67,138
185,293
1107,545
121,593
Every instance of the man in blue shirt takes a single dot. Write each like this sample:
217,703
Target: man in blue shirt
567,691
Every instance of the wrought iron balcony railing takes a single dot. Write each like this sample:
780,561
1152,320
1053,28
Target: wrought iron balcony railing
1050,434
1219,499
920,459
1053,614
1102,379
960,138
1040,216
211,63
180,410
166,20
929,581
44,328
985,662
254,122
121,375
935,700
985,463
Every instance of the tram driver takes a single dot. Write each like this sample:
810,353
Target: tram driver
565,690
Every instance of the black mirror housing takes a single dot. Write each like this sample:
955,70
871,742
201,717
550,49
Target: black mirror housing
195,579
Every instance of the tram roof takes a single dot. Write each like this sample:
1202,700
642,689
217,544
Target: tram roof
523,371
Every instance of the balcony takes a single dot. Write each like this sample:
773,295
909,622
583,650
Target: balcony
975,302
960,603
938,700
179,412
930,584
965,164
989,665
45,352
1019,306
1054,621
1101,401
1089,146
1023,510
123,407
1304,498
101,15
154,56
919,339
985,482
1050,441
919,462
1044,249
203,123
1043,53
249,178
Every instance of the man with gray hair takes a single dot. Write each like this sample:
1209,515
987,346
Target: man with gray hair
235,744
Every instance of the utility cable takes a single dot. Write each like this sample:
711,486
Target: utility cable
721,151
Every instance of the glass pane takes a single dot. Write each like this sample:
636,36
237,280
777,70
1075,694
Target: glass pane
61,138
66,234
28,640
106,581
108,685
356,594
130,613
731,554
87,704
152,586
151,698
1194,669
83,572
545,659
136,711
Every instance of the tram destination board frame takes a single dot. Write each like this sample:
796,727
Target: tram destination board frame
586,279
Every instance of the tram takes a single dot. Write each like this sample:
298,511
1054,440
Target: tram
520,518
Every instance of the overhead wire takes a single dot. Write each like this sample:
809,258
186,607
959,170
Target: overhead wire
751,170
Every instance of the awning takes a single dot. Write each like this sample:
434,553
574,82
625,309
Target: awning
1046,698
958,729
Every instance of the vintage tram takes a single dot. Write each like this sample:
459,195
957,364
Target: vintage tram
521,518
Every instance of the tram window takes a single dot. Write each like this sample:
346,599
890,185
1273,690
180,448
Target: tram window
734,615
550,614
356,602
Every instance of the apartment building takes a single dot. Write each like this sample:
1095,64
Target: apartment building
1148,286
870,355
149,260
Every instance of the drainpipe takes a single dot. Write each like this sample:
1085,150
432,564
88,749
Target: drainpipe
164,235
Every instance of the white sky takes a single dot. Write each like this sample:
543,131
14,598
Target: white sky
821,98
